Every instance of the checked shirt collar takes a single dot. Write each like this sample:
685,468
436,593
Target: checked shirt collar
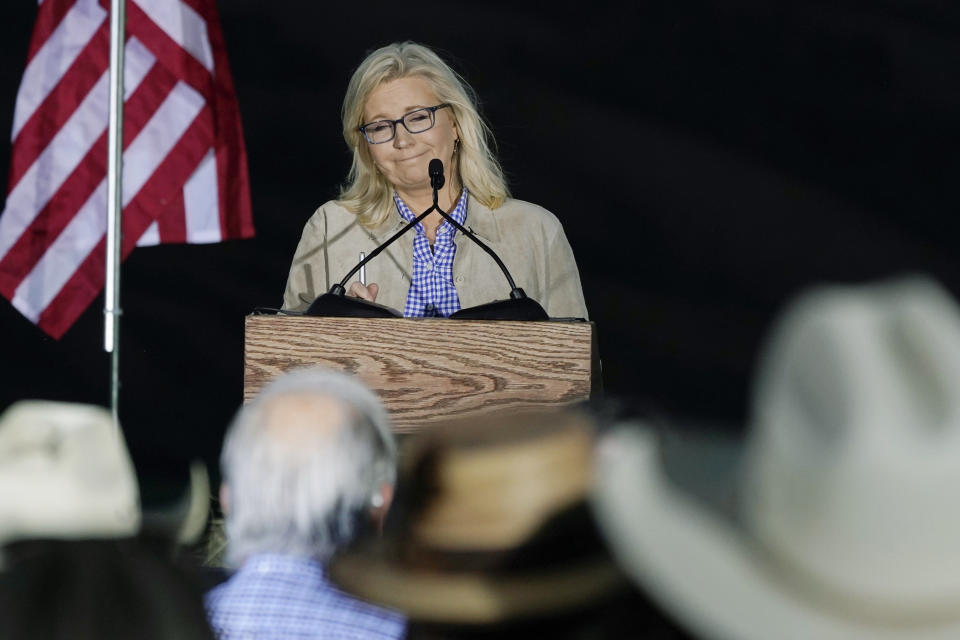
283,597
432,292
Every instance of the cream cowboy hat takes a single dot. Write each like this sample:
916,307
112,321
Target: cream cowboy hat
64,473
846,520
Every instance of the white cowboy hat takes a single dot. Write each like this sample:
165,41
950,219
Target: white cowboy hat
847,519
64,473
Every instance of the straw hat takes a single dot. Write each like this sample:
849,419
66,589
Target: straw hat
492,526
64,473
847,518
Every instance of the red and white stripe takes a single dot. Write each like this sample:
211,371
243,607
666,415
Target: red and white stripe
184,162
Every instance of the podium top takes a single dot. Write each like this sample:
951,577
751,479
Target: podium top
429,370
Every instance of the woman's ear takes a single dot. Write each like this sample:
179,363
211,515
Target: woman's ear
380,505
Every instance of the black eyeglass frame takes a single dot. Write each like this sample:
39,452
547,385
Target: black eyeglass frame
393,123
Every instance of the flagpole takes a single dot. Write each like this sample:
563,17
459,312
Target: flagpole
112,311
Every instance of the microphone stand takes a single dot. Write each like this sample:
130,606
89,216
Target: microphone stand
519,307
515,292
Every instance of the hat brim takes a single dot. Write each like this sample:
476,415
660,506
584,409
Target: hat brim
184,521
703,570
471,598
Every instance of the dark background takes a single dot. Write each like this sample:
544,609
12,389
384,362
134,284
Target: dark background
707,159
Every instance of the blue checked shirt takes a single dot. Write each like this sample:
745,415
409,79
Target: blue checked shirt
282,597
431,291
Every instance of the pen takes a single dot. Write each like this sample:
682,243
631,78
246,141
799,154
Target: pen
363,270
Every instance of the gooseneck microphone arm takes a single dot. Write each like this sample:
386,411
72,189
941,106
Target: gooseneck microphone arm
515,291
436,176
435,182
339,289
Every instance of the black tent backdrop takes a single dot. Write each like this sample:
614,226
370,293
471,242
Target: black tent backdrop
708,159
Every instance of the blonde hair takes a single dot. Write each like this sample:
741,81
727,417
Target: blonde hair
367,193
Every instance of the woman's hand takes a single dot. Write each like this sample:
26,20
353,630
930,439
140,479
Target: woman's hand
368,292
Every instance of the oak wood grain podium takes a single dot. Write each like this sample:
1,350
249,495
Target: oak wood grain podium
432,369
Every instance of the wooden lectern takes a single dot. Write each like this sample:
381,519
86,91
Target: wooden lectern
432,369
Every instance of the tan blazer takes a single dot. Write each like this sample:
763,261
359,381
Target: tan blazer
528,238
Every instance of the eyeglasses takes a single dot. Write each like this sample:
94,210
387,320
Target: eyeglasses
416,121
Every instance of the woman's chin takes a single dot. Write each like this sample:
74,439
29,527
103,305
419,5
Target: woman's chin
412,186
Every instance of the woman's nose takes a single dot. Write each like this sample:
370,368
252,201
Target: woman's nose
402,138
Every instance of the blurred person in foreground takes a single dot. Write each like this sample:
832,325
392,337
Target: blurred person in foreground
404,107
840,518
307,466
73,565
492,537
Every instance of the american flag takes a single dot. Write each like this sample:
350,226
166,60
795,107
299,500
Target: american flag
184,161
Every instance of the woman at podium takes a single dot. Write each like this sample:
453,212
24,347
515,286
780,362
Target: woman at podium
404,107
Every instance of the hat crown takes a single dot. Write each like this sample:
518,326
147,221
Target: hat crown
67,473
852,475
488,489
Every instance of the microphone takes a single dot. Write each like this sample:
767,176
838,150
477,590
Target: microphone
436,176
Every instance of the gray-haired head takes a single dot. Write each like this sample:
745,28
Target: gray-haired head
304,463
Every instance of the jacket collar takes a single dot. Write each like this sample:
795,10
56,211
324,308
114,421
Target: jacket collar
387,228
482,221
